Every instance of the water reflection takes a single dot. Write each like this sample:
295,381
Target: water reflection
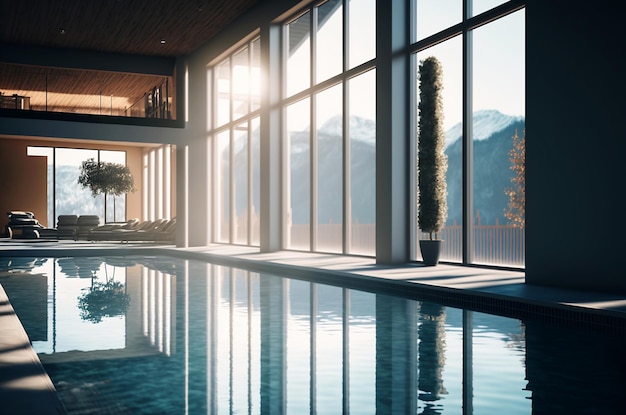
224,340
431,355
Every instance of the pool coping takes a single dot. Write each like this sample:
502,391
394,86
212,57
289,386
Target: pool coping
25,387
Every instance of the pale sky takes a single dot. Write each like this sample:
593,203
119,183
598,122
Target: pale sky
498,60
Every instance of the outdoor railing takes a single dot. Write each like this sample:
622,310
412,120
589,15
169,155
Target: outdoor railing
492,244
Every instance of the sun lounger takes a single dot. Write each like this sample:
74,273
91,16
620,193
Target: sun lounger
66,226
165,231
160,230
114,232
84,224
76,227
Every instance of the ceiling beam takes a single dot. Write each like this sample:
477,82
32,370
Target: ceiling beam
86,59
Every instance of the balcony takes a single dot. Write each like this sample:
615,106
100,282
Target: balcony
86,95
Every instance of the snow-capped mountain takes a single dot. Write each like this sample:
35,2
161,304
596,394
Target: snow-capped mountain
361,129
486,123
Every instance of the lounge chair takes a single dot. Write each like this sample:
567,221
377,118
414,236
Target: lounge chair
117,232
84,224
66,226
162,231
76,227
104,232
23,224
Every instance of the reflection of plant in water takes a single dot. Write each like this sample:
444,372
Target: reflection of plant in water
103,299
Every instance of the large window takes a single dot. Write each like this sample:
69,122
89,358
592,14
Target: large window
235,144
329,110
66,197
157,186
483,60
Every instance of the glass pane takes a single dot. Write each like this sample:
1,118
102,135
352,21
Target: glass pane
362,133
433,16
362,346
298,348
299,54
255,76
499,115
329,53
449,54
71,198
255,142
113,156
299,178
47,152
240,182
362,32
328,349
241,84
498,361
479,6
223,187
330,170
222,90
222,330
440,358
240,364
115,205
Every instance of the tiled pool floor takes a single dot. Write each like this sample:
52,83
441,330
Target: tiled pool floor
25,387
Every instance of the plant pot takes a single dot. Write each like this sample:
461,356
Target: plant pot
430,251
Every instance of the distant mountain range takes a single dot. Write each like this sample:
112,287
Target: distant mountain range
493,139
493,132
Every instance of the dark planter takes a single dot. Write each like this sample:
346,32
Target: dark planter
430,251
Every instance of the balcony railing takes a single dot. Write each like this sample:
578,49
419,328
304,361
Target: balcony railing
15,102
156,101
492,244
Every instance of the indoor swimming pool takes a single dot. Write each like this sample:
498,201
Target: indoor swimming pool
160,335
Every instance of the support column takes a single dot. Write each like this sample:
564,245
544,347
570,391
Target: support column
273,293
182,192
271,131
393,136
396,356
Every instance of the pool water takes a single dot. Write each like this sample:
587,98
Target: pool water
149,335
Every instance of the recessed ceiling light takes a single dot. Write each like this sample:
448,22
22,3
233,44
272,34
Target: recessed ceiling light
163,41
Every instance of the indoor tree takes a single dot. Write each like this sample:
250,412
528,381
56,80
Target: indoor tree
106,178
432,162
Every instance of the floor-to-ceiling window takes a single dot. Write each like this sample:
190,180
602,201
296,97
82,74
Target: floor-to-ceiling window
330,135
481,47
157,185
65,197
235,144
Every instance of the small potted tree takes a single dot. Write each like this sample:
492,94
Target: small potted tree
106,178
432,162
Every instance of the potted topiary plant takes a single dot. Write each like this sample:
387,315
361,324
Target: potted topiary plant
432,162
106,178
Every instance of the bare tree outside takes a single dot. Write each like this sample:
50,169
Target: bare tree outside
516,211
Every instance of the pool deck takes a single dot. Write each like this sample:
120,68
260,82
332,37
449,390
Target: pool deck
26,388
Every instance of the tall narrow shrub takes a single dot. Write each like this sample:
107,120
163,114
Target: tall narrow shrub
432,162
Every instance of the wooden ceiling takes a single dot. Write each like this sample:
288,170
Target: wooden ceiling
159,28
120,26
